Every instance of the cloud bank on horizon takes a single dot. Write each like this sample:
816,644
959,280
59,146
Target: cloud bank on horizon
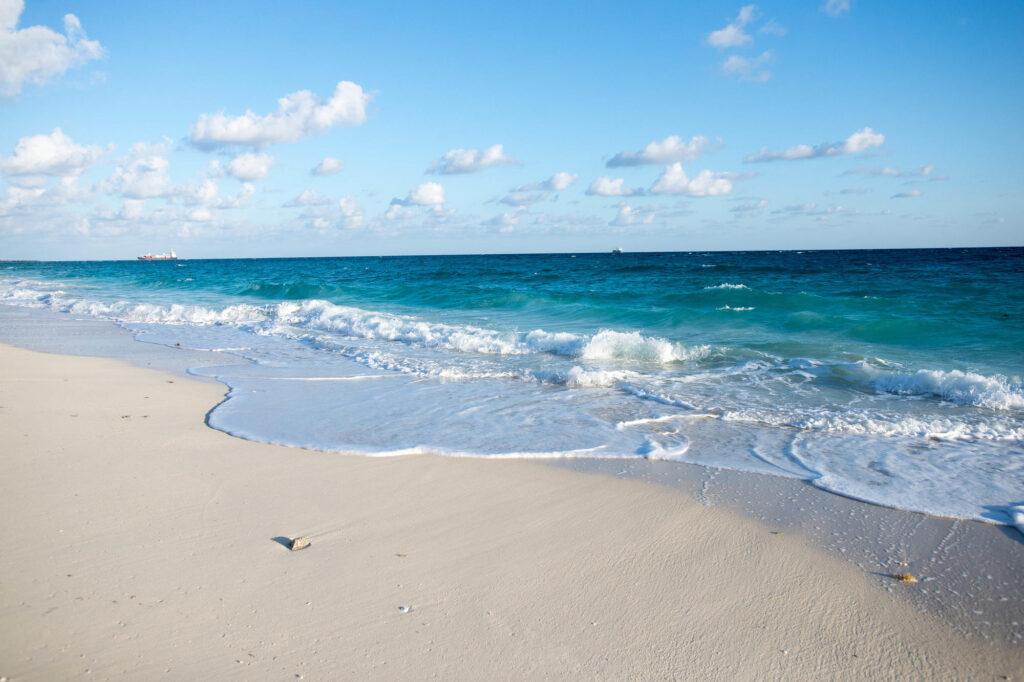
341,162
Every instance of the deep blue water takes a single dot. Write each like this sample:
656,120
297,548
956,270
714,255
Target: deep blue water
892,376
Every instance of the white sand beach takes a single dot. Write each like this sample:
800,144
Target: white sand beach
142,544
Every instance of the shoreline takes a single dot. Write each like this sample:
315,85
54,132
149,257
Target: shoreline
969,569
142,542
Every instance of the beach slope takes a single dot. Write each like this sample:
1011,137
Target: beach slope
139,543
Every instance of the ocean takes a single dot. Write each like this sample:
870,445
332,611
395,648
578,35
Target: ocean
890,376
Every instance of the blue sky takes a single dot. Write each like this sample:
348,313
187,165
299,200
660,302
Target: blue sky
467,128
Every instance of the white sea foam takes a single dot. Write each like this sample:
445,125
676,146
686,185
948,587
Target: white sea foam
737,308
357,323
955,386
726,285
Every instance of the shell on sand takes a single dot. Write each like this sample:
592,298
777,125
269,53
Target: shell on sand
299,543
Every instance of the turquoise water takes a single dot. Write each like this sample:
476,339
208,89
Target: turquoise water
891,376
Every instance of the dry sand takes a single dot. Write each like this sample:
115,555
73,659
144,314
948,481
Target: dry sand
139,543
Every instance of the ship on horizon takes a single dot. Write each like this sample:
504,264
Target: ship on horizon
159,256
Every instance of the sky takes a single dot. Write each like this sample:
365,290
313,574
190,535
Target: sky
270,129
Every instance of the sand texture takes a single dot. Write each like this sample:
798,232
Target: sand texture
141,544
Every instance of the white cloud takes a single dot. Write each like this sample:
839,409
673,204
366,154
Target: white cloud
308,198
250,166
539,191
912,194
705,184
523,198
749,69
200,215
351,213
561,181
733,34
142,173
245,192
427,194
53,154
196,193
834,8
398,212
772,27
329,166
811,209
863,139
38,53
628,215
299,114
749,208
666,151
471,160
21,200
610,187
558,182
505,221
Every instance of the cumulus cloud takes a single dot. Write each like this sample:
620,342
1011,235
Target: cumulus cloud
912,194
55,154
245,192
23,200
427,194
628,215
666,151
733,34
299,115
749,69
471,160
505,221
860,141
539,191
323,213
329,166
834,8
38,53
610,187
351,213
142,173
558,182
772,27
705,184
250,166
561,181
308,198
198,193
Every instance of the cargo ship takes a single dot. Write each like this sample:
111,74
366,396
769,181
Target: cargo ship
159,256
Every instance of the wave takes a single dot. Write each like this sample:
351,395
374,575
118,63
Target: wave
955,386
726,285
346,321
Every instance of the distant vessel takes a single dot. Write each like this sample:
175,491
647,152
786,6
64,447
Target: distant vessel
617,251
159,256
